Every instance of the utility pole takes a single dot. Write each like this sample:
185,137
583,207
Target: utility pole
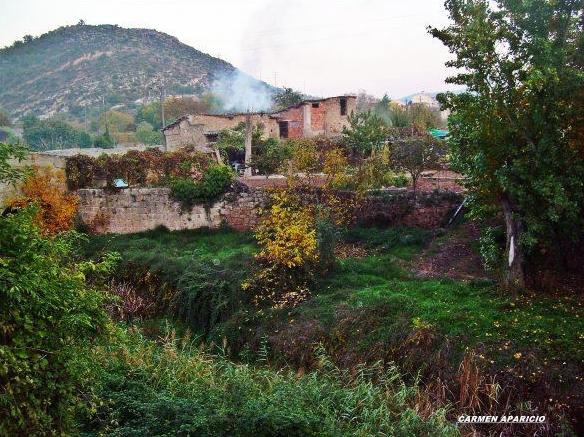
162,118
104,114
248,135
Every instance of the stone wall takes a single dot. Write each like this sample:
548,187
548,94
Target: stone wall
140,209
426,210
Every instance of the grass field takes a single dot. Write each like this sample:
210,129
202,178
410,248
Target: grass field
371,309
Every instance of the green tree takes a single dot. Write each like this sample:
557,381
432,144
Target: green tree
116,121
104,141
146,134
510,132
286,98
366,133
53,134
269,155
415,155
8,172
150,113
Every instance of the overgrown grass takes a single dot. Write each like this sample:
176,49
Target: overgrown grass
194,276
178,389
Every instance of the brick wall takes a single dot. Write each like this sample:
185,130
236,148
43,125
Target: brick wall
141,209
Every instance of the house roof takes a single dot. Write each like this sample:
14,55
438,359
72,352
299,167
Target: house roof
269,114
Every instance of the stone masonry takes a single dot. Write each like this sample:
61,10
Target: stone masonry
141,209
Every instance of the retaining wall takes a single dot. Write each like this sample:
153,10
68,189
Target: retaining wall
141,209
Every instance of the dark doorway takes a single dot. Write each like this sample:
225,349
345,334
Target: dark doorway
343,102
283,129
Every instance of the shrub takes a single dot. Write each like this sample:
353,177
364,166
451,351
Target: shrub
56,208
190,192
491,246
209,292
179,389
286,234
49,320
288,254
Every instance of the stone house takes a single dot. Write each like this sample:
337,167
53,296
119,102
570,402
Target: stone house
307,119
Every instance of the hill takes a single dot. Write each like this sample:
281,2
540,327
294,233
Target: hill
76,66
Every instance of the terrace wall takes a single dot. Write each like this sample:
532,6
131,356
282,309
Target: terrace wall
141,209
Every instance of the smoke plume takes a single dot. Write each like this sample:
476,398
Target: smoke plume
240,92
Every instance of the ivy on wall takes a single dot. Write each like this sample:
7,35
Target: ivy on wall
192,176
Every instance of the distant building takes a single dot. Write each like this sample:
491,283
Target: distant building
425,99
307,119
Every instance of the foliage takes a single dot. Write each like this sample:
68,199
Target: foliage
366,133
116,121
194,276
49,320
177,388
104,141
510,132
286,234
8,172
53,134
146,134
305,157
210,291
335,168
150,114
214,182
149,167
287,97
417,154
269,155
288,255
56,208
491,248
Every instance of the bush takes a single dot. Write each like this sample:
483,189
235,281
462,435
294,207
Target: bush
104,141
56,207
491,246
209,292
190,192
49,320
179,389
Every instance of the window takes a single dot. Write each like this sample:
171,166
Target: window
316,105
283,129
343,102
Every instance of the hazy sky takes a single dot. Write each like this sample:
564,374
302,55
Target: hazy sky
321,47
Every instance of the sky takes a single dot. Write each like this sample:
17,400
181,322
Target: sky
319,47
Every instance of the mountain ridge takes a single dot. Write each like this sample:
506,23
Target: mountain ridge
79,66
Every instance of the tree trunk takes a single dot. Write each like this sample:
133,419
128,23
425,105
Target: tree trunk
515,276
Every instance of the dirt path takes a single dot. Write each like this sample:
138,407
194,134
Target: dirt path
451,256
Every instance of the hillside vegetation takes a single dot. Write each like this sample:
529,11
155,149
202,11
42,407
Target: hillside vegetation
76,66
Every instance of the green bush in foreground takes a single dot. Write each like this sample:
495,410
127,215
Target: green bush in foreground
176,389
48,320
